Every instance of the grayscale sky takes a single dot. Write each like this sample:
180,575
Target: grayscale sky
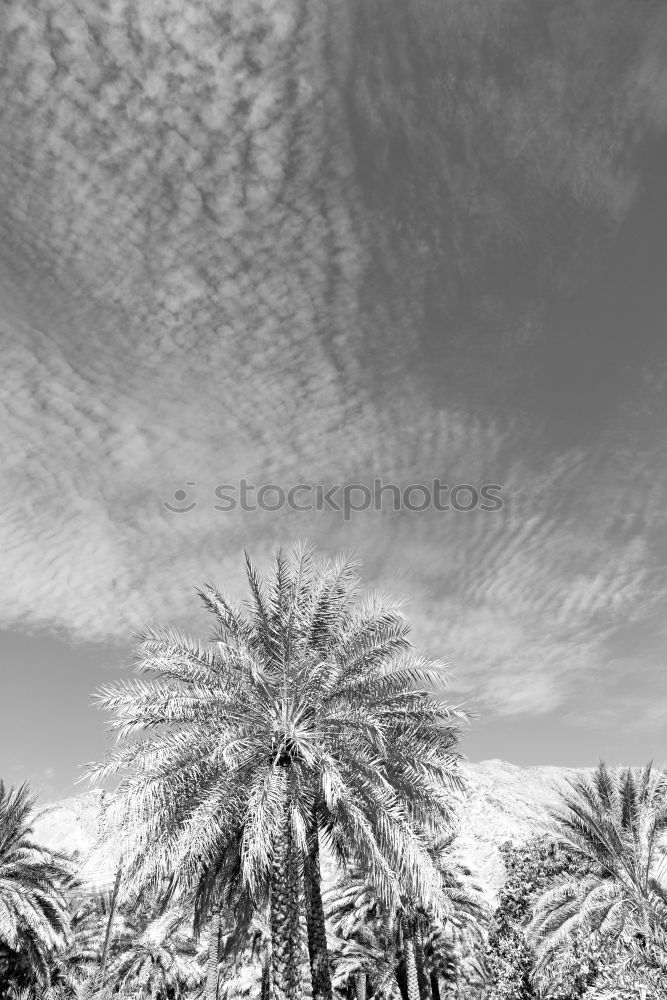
301,242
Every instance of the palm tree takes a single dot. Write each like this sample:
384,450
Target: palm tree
77,971
159,962
363,938
79,963
299,720
149,953
440,957
450,945
420,935
614,824
622,966
213,959
464,911
358,966
33,903
235,917
245,952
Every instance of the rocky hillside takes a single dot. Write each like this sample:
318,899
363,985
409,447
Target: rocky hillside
503,802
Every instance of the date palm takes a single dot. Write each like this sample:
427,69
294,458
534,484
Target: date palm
414,929
299,720
159,962
358,966
77,973
33,902
79,963
363,936
245,952
463,918
614,823
237,920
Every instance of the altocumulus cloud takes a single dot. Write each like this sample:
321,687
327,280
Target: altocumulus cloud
241,242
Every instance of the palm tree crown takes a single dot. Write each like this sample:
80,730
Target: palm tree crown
614,823
302,710
33,904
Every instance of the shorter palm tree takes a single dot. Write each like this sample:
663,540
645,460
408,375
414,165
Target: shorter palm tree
623,966
419,935
614,822
441,960
160,962
362,938
33,900
358,965
245,952
89,915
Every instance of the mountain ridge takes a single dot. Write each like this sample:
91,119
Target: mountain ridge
502,802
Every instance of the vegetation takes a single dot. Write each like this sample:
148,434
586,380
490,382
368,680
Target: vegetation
285,816
531,870
410,949
615,897
613,824
33,910
582,912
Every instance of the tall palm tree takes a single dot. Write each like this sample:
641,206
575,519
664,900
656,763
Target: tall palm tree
300,719
33,901
614,823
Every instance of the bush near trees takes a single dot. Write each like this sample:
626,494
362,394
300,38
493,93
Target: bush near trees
531,869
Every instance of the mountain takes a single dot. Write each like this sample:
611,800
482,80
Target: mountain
502,802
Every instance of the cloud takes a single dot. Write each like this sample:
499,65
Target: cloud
239,244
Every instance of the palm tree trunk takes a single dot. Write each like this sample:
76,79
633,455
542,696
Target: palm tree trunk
285,931
318,952
213,957
112,914
435,985
265,993
360,983
412,979
420,961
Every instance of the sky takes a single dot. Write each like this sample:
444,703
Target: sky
292,242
